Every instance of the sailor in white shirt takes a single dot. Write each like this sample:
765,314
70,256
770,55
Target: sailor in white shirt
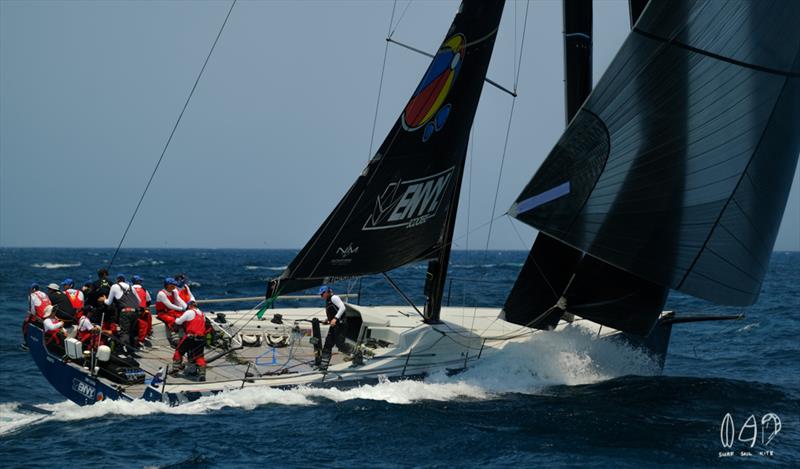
334,311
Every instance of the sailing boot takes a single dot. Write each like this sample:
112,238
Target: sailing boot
325,360
177,367
201,373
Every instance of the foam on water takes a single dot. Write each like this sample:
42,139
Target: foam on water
568,357
572,356
261,267
54,265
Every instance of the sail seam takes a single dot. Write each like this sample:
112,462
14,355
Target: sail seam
760,68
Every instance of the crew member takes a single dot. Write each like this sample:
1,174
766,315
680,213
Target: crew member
100,287
76,297
121,295
53,330
334,310
183,288
193,342
88,333
169,306
144,324
62,307
37,302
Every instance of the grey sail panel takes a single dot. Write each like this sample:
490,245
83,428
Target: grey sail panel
396,212
688,129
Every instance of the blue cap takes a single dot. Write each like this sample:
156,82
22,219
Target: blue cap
136,278
67,282
121,277
323,289
34,285
170,281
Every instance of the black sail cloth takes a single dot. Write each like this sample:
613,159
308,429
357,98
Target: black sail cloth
685,151
396,210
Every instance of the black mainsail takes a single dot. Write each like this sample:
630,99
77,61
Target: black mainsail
677,168
401,208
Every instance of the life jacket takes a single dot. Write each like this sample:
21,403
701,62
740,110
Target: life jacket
196,326
44,303
161,308
183,292
74,298
128,300
142,294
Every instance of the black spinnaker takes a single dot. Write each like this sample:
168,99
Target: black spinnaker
677,168
397,211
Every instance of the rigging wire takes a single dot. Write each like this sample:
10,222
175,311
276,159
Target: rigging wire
508,128
380,82
171,134
402,15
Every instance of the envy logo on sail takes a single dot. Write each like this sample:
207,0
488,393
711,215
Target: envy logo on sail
409,203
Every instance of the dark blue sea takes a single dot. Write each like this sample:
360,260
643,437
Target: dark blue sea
554,401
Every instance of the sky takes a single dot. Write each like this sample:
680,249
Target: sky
278,128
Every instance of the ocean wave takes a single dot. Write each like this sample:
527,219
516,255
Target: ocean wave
54,265
261,267
143,263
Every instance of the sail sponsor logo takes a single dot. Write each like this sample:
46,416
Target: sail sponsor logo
427,109
345,254
406,204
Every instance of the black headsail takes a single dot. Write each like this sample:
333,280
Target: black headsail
399,209
677,168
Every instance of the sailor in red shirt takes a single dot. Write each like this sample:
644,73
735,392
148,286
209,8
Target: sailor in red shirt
54,333
145,321
183,288
169,306
75,297
37,302
88,333
193,342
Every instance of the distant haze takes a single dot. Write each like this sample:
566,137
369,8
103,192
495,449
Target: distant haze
279,126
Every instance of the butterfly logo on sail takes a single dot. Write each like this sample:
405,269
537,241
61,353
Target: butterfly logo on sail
426,109
409,203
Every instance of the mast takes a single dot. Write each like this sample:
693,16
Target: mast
437,268
577,54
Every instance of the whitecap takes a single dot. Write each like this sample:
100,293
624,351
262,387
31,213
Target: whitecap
262,267
54,265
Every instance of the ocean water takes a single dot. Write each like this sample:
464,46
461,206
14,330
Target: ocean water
556,400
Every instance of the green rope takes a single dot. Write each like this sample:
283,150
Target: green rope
267,304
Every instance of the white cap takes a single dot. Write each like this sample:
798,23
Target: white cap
53,286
